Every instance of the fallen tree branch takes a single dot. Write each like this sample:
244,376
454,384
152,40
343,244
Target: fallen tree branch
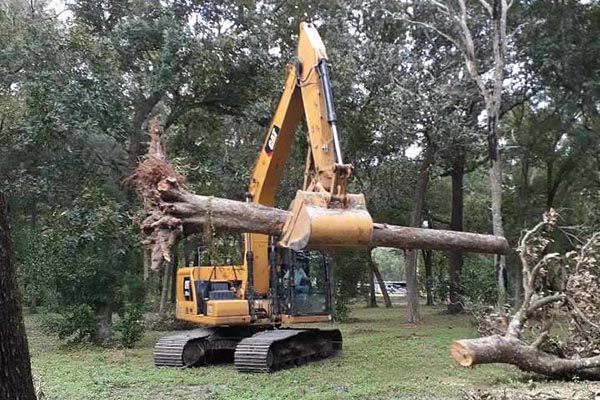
574,355
510,350
575,310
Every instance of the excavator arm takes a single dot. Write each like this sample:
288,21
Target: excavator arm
323,214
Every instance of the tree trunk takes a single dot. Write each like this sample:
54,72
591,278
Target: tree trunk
146,262
142,109
372,300
494,105
183,213
330,261
428,261
165,288
190,249
498,226
412,284
514,273
456,224
103,328
510,350
32,295
386,297
492,95
174,277
15,367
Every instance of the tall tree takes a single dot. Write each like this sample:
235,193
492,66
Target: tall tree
456,21
16,382
412,284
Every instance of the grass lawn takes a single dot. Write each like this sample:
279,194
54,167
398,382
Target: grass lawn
383,358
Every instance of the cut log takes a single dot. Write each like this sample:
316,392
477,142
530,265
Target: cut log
510,350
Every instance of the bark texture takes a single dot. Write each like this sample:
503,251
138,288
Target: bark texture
386,296
182,213
175,213
428,263
412,285
456,224
511,350
165,287
372,299
103,328
15,367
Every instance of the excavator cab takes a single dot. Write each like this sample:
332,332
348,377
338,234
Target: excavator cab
303,283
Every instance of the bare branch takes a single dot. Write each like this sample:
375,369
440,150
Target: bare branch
540,339
469,50
585,249
527,235
544,301
433,28
487,7
575,309
443,8
540,264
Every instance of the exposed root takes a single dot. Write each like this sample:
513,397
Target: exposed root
153,176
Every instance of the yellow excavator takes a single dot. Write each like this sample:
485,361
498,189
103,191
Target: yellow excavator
245,310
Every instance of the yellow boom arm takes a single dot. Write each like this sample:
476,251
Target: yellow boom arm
324,215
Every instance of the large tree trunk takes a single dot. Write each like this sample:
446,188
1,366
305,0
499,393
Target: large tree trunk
103,328
176,213
183,213
142,110
498,226
15,368
456,224
412,284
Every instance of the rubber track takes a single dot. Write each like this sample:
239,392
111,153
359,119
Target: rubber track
168,351
270,350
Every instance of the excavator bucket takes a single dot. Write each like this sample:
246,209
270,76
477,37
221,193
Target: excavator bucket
315,224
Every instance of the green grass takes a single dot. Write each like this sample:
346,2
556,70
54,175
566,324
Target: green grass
383,358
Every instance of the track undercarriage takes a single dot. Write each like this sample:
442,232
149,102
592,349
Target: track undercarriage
251,349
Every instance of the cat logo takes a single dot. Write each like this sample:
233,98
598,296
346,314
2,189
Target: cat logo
270,146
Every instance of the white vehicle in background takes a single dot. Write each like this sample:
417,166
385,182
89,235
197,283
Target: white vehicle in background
394,288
